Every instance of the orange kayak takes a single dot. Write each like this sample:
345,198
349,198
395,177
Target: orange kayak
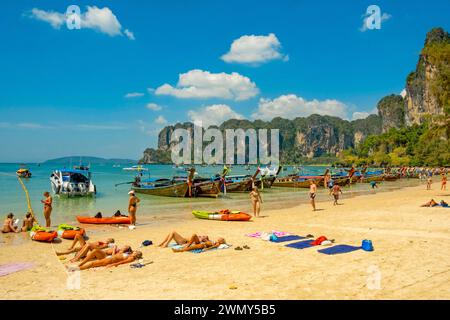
43,236
106,220
70,234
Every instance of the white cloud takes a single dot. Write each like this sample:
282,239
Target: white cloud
291,106
134,95
384,17
30,125
204,84
129,34
251,49
148,128
100,19
362,115
55,19
161,120
153,107
99,127
213,115
4,125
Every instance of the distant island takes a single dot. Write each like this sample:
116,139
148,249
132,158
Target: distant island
74,160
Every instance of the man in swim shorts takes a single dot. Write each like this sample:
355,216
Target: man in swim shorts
336,190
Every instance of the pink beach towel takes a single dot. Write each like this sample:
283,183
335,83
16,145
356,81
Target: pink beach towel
276,233
6,269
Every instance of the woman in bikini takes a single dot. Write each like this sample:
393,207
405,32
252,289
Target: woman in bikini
113,261
195,244
99,254
28,222
47,208
443,182
132,206
8,224
256,199
85,247
179,239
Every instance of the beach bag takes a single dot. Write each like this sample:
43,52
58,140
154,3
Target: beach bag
367,245
319,241
273,237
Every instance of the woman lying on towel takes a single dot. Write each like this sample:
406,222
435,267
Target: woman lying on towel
430,203
84,247
98,254
179,239
195,244
113,261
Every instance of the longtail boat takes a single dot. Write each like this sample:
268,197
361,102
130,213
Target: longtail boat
242,183
267,178
296,181
201,187
164,187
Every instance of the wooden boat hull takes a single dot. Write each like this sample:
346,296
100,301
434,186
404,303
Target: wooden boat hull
206,189
173,190
241,186
292,182
391,177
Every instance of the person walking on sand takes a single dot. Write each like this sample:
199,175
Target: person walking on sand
336,190
256,199
444,182
429,182
132,206
47,208
312,193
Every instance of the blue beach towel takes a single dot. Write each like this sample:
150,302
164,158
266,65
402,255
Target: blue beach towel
300,245
287,238
341,248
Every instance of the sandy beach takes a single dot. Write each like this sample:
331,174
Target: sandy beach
412,246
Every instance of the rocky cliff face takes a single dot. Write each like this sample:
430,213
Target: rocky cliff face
302,137
425,86
391,109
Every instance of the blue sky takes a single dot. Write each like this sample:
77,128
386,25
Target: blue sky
64,92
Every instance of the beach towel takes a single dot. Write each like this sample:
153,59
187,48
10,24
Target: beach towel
276,233
6,269
300,245
341,248
287,238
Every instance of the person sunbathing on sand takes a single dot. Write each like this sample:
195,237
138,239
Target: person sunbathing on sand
195,244
179,239
86,246
430,203
113,261
8,225
99,254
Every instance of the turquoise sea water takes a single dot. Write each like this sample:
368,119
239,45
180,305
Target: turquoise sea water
110,198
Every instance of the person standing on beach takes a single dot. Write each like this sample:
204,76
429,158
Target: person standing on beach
132,206
429,181
47,208
256,199
312,193
444,182
336,190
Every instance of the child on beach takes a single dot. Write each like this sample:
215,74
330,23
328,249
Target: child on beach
256,199
8,224
312,193
336,190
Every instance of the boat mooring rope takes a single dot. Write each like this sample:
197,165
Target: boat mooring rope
30,209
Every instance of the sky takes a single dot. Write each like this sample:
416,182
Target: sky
132,67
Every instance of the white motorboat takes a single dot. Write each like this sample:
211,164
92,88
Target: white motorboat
75,182
135,168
